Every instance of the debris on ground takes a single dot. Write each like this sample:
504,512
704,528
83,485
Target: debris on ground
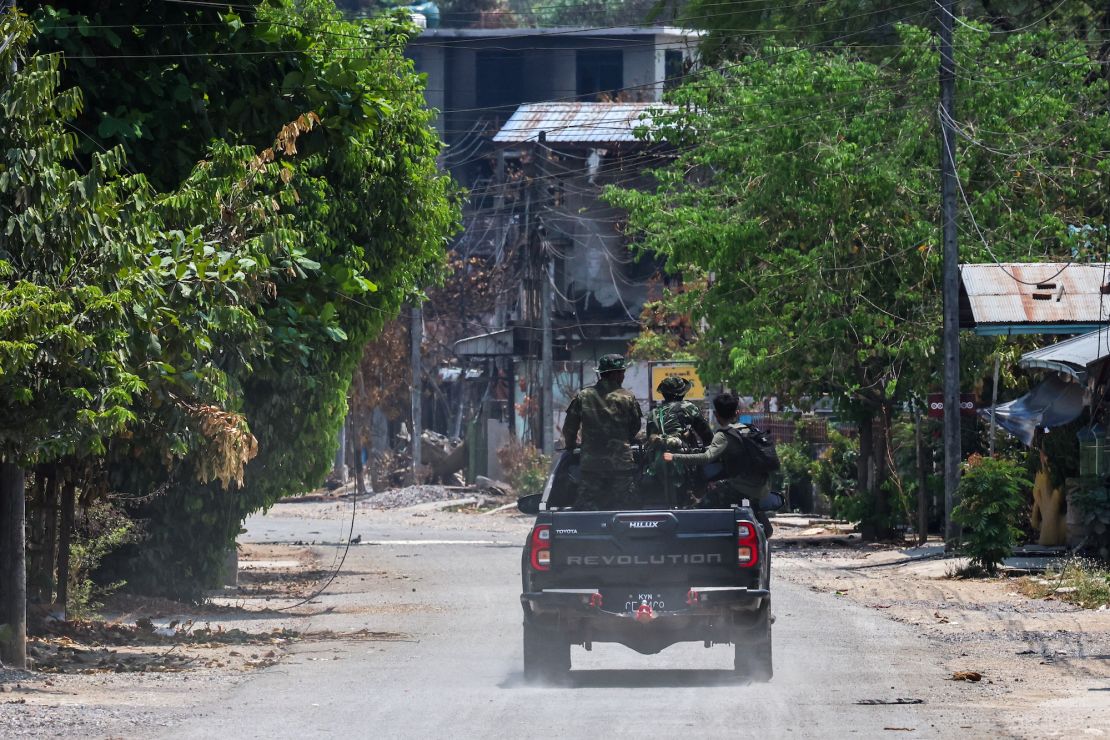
400,498
884,702
973,676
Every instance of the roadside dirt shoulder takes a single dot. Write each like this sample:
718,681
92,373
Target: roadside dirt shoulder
149,660
1052,657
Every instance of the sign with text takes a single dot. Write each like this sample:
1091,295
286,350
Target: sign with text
678,369
936,405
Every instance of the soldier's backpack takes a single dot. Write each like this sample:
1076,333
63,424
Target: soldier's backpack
759,458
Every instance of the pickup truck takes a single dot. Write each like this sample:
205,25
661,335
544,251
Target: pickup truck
645,579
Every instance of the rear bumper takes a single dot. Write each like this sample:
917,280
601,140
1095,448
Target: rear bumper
707,601
713,617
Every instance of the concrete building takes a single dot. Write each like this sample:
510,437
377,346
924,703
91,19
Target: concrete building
477,77
537,122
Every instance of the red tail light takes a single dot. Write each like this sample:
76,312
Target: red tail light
541,547
747,545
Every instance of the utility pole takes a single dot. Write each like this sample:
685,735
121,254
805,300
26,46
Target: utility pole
951,282
417,336
994,398
547,372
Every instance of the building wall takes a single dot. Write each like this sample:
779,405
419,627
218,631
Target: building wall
430,60
550,68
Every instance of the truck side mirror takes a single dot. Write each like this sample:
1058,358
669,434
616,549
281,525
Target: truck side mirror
773,501
529,504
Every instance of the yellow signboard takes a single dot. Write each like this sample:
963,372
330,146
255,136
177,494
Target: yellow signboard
677,369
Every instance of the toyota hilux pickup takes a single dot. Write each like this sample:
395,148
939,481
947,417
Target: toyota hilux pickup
645,579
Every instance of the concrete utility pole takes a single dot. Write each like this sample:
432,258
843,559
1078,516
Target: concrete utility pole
994,399
417,336
951,282
547,370
548,374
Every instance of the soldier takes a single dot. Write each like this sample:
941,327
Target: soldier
676,421
609,418
742,480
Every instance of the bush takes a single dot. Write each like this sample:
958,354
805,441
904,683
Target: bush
834,475
105,530
992,495
525,467
1093,503
795,472
1081,582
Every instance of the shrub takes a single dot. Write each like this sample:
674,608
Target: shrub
834,475
992,495
1082,582
1093,503
525,467
105,530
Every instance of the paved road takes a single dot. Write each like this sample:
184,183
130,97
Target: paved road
454,595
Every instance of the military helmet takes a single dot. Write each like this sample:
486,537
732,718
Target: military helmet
672,385
611,363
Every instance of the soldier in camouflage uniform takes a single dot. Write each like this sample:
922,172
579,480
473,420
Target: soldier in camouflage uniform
677,422
673,425
740,482
609,418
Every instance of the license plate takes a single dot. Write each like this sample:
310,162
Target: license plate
657,601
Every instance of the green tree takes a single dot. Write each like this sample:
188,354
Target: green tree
109,300
738,29
369,206
805,184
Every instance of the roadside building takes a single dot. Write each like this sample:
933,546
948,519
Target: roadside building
537,122
1058,300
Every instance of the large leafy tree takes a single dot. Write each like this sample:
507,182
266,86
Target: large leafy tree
804,187
113,297
356,149
738,28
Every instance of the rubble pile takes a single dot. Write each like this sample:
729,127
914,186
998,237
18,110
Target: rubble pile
399,498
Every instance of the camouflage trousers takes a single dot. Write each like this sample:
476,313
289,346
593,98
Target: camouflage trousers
606,491
732,492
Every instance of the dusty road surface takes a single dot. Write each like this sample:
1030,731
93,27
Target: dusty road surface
435,597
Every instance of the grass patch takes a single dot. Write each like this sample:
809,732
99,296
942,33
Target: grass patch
1085,583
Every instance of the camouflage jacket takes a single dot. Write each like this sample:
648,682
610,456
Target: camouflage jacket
609,418
679,418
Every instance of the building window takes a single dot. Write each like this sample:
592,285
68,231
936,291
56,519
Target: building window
500,79
673,68
600,71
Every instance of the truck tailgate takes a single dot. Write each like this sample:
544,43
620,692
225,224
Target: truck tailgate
687,547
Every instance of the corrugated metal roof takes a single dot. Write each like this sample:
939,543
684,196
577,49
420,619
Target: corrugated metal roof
1042,293
585,123
1072,356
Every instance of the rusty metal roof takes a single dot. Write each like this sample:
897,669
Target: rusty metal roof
1033,298
578,123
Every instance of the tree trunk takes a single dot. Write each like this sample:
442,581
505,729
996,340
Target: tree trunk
50,542
922,480
865,464
13,567
64,540
882,445
35,497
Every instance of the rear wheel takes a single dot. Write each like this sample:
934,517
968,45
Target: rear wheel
546,654
752,646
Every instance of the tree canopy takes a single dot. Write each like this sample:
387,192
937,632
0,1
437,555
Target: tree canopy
804,188
262,192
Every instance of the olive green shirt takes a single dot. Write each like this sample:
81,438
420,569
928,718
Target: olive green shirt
609,418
